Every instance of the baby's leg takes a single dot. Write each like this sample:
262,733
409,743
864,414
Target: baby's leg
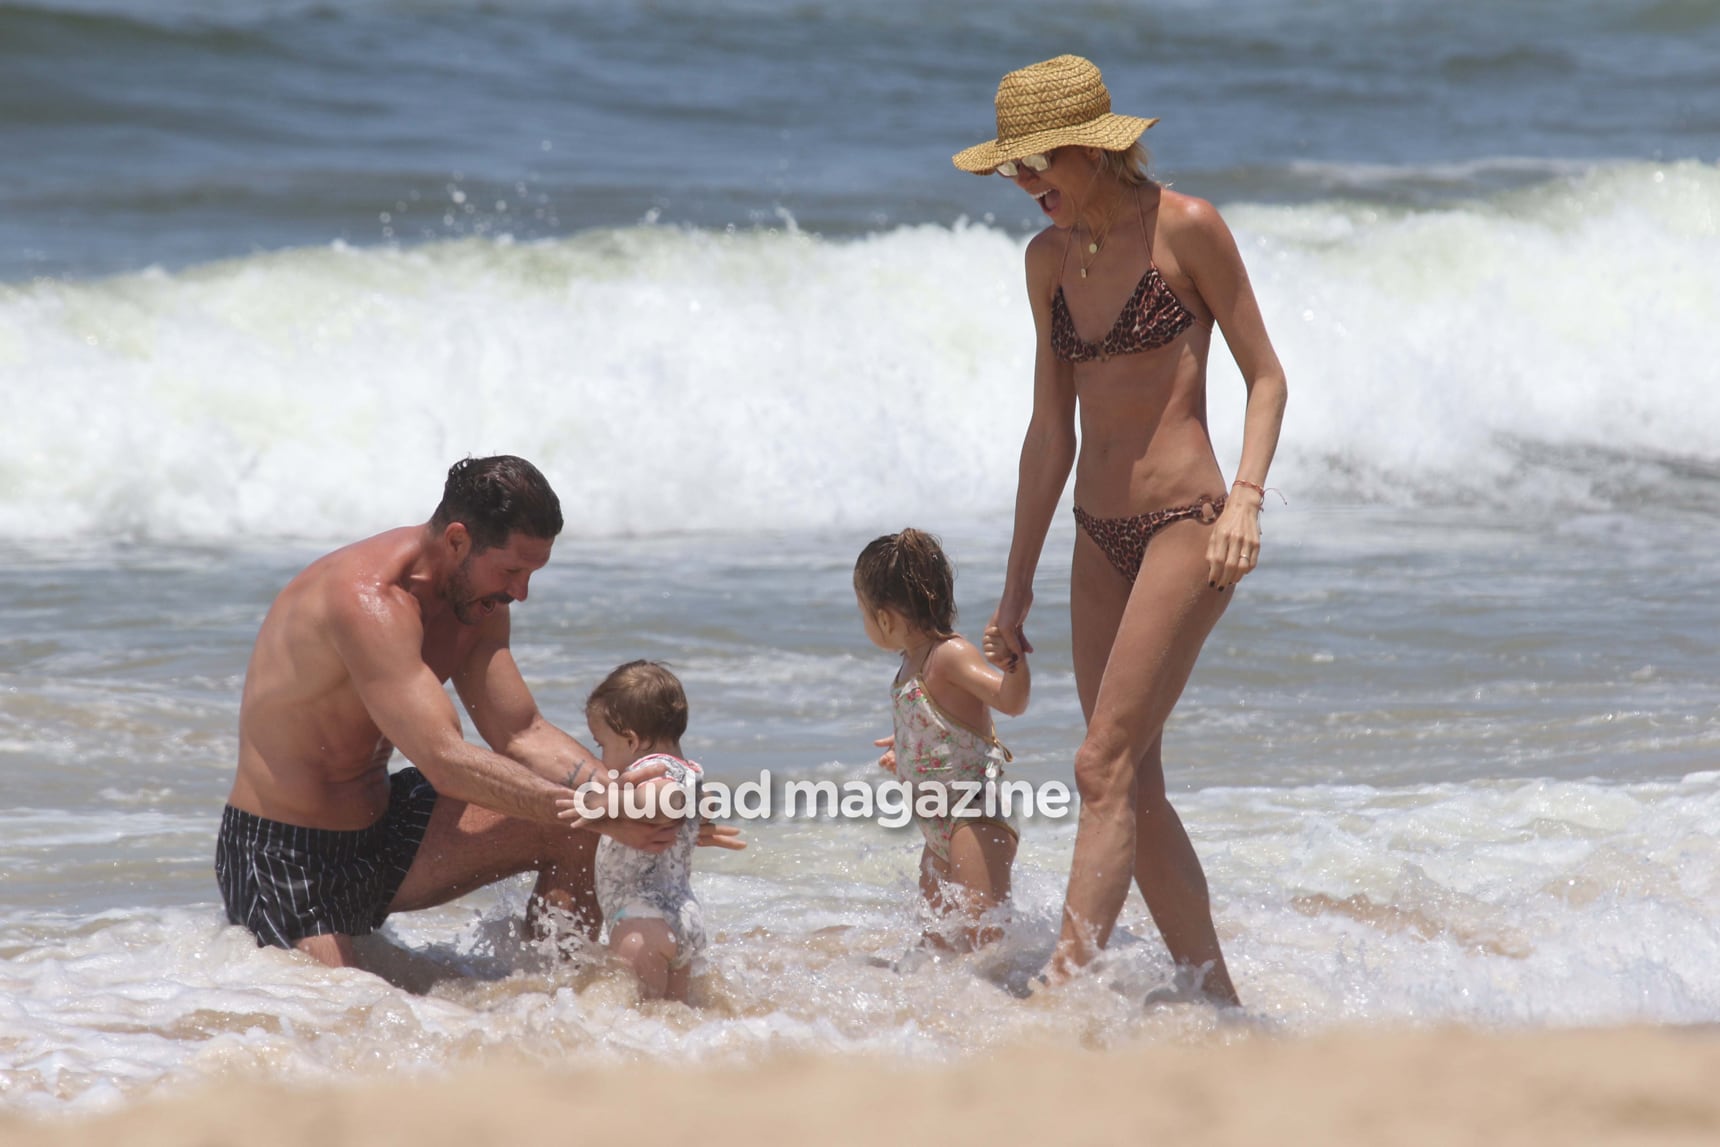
981,853
647,946
680,979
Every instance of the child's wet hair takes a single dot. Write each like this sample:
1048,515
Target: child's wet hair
908,572
642,698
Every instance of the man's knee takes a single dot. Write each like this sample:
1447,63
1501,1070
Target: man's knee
332,948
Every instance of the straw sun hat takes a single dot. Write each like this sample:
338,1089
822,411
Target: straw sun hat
1056,103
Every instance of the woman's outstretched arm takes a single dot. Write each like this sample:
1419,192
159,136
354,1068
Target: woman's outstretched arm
1047,451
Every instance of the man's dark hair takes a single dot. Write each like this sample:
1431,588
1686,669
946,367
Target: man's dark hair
498,496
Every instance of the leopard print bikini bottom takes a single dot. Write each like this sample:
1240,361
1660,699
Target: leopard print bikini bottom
1124,540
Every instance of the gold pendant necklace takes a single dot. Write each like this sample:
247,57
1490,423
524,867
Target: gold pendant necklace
1097,240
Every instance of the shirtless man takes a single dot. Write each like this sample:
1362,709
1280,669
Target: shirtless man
318,842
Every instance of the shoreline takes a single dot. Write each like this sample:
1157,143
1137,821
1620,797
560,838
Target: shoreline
1360,1086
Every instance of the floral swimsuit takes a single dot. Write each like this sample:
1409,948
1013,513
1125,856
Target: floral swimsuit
933,748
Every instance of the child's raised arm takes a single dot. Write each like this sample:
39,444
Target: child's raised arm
1005,690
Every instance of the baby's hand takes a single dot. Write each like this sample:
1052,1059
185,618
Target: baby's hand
997,650
720,836
887,762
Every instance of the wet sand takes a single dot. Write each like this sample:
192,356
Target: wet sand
1623,1086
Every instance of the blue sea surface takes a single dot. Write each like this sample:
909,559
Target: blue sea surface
171,133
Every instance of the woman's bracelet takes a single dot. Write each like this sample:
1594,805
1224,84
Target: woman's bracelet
1259,489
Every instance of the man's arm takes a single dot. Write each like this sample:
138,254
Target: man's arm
507,716
379,635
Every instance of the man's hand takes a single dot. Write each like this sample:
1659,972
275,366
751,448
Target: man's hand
589,809
645,835
601,806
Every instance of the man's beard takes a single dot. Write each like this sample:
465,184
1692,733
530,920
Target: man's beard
458,594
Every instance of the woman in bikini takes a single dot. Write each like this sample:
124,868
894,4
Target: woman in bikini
1126,285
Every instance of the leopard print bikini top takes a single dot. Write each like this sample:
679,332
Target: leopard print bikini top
1151,318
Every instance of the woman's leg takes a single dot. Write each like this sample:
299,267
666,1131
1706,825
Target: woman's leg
1173,883
1134,651
1098,595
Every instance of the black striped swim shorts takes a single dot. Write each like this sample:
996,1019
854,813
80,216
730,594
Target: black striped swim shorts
285,882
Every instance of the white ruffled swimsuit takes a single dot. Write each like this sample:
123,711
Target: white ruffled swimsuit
635,885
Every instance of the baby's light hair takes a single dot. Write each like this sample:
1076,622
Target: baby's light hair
642,698
908,572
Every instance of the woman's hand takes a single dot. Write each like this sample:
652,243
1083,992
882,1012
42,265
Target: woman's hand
1233,550
1005,637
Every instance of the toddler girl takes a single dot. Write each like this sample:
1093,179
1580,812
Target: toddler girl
943,695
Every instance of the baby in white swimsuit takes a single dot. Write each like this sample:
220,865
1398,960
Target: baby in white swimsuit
656,926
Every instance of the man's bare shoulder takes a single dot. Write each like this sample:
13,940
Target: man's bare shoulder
364,579
367,580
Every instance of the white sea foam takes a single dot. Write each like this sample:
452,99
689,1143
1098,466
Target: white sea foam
1514,903
683,380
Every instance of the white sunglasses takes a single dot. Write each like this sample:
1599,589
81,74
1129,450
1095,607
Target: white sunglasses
1009,169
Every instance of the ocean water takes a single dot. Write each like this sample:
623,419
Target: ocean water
1453,755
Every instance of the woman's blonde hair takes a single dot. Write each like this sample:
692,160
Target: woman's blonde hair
1128,165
